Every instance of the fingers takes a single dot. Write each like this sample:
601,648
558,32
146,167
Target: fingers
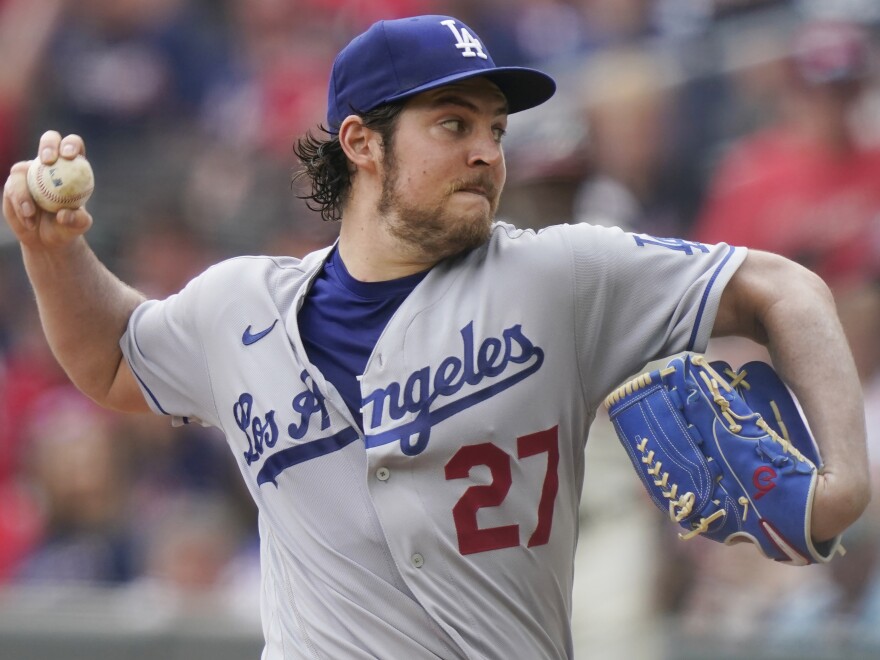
31,224
18,205
74,221
52,145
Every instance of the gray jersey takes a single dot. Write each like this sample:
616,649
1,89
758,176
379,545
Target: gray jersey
447,528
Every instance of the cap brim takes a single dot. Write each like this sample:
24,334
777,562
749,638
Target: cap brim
524,88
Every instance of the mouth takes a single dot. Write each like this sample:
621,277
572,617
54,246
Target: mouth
476,189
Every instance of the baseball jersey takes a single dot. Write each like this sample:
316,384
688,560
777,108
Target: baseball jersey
447,527
341,320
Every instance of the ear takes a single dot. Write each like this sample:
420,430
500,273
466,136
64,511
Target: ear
361,145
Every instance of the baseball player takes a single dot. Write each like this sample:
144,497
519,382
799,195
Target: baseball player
409,407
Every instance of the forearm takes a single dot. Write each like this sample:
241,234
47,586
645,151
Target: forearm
789,309
809,349
84,310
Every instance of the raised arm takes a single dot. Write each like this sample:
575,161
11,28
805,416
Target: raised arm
83,307
778,303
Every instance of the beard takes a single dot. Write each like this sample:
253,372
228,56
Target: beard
432,232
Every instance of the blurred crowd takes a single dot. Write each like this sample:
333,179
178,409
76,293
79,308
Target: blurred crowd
755,122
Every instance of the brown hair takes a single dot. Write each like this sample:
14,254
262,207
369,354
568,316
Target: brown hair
325,164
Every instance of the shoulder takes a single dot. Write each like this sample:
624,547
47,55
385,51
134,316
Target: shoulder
575,240
505,235
556,251
251,270
244,282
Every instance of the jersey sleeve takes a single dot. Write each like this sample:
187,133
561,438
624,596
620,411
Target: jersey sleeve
164,348
639,298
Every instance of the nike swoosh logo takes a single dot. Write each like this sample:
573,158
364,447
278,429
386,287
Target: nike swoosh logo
247,338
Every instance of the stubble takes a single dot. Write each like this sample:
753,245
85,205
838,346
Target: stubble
431,231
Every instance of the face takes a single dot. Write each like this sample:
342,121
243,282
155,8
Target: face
443,175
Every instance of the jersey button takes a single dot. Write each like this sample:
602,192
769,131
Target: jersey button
383,474
417,560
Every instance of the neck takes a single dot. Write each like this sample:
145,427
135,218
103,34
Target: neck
371,254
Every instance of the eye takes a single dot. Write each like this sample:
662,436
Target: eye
454,125
499,132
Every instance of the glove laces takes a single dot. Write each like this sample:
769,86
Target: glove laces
679,507
737,379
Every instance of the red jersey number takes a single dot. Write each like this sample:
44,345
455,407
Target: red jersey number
471,537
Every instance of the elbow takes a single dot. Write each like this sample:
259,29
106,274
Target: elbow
839,503
857,502
862,497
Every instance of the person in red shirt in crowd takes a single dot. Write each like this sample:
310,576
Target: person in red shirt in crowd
808,186
26,29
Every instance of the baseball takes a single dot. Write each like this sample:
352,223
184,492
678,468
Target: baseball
65,184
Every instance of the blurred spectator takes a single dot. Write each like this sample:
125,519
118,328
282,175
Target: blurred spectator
192,544
806,187
549,29
131,75
234,199
27,372
613,23
547,157
238,190
638,180
79,474
275,86
748,98
300,239
19,526
126,66
174,462
166,255
357,15
26,28
531,31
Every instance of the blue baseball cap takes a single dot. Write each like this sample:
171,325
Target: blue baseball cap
396,59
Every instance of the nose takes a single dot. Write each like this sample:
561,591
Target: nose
486,150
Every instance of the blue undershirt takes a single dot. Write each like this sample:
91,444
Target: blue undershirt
341,320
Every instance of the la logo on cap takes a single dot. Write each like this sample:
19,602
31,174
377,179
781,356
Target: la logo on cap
465,41
396,59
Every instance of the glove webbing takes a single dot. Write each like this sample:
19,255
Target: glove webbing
740,378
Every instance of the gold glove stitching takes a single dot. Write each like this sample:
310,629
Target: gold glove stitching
679,507
703,526
744,503
634,385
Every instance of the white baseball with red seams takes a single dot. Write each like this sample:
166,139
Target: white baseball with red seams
67,183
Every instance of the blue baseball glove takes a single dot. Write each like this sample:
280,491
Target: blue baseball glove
727,455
